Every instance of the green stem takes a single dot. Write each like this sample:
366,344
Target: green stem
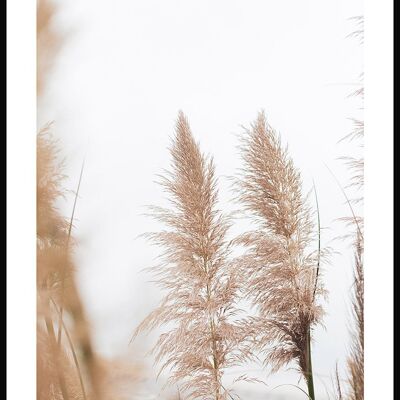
310,378
319,244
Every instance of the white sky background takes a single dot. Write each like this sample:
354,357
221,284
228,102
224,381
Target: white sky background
125,70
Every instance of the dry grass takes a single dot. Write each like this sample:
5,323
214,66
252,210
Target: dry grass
67,368
55,274
57,378
281,272
205,336
356,359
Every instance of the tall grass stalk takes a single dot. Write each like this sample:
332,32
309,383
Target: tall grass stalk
282,271
205,335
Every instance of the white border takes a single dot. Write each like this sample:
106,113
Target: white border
21,199
378,200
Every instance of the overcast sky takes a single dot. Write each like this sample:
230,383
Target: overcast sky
125,70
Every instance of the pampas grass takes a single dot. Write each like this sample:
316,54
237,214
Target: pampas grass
280,269
55,275
68,366
355,361
204,336
57,378
50,255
